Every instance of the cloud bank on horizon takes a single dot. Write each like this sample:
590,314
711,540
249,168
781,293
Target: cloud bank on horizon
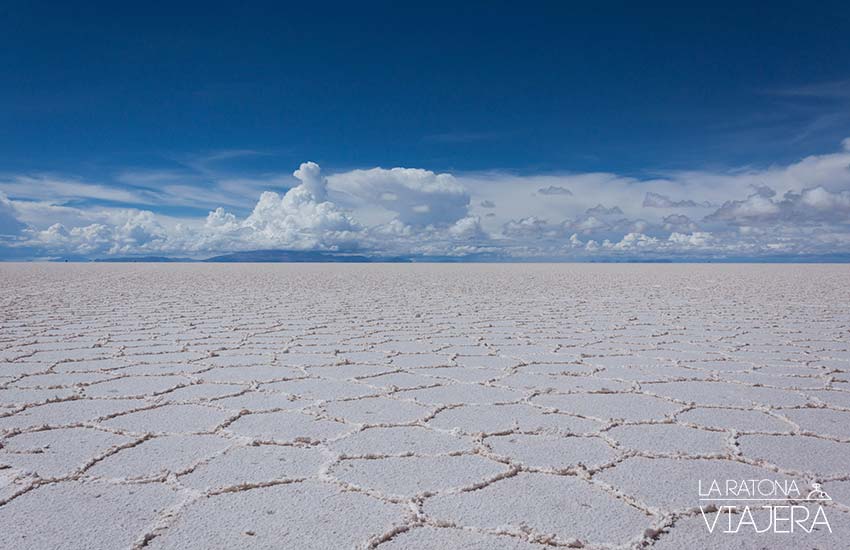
798,209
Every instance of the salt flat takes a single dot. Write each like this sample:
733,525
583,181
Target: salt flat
423,406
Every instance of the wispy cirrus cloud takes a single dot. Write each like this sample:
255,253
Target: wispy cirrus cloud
834,89
58,189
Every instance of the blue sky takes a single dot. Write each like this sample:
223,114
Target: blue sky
127,125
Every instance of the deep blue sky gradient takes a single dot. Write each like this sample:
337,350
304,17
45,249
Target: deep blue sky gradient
632,87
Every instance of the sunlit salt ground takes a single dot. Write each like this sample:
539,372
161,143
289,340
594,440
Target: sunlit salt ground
423,406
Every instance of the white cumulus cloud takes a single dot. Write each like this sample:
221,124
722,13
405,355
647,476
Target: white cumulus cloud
800,208
413,196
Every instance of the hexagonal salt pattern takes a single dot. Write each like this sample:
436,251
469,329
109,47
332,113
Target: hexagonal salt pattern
417,406
306,515
561,509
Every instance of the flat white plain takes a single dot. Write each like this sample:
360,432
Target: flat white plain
415,406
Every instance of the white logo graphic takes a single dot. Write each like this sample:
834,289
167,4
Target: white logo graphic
762,506
817,493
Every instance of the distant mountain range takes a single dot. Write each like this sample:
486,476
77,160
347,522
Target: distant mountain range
299,256
305,256
264,256
139,259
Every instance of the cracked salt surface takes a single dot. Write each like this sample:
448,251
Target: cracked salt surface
418,406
